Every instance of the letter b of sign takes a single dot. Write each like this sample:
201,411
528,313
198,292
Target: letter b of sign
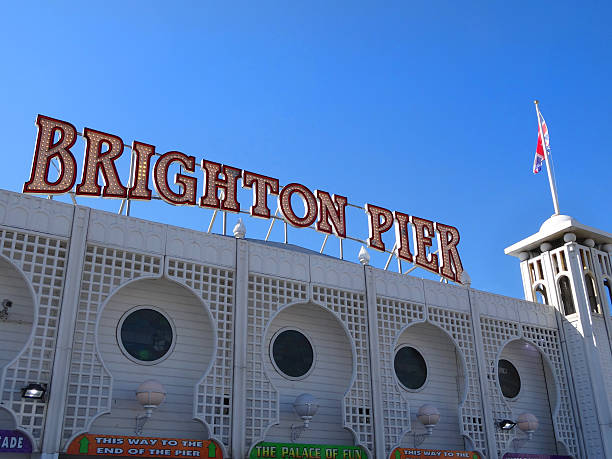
48,148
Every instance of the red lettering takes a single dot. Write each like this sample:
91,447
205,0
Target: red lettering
424,232
96,161
310,205
44,153
448,238
261,186
212,184
379,222
331,211
188,184
401,236
140,188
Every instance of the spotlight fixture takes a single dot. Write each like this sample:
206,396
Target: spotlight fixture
34,391
506,424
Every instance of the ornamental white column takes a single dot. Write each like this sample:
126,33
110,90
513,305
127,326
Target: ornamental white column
51,441
240,347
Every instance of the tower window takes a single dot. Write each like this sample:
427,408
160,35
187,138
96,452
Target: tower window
540,271
555,263
609,288
567,298
563,263
540,294
592,294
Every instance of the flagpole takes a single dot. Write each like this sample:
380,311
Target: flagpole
551,182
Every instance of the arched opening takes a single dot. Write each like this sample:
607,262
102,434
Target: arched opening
307,350
7,422
171,340
438,374
527,385
540,294
16,312
567,298
592,294
608,286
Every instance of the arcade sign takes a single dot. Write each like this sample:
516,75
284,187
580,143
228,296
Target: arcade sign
533,456
14,441
326,212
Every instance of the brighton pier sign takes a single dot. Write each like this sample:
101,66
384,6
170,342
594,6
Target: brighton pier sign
326,212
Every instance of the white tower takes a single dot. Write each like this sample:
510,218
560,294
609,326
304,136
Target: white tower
569,265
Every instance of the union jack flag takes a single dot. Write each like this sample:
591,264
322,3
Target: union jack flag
539,156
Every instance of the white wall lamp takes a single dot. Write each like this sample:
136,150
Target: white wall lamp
526,422
428,415
306,407
150,394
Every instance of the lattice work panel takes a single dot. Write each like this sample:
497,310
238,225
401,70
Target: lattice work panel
393,315
495,333
214,394
559,261
584,393
266,296
602,260
350,308
89,386
43,260
547,340
459,326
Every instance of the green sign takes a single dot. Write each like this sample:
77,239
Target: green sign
304,451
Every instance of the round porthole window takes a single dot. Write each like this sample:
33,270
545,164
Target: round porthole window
292,353
410,368
509,379
145,335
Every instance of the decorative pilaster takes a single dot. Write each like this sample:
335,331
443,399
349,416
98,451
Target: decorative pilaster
487,412
239,411
61,362
377,402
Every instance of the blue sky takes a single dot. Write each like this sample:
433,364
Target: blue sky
420,107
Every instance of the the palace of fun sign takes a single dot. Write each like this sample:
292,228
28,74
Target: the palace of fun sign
306,451
414,236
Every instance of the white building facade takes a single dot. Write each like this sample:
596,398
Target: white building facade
376,346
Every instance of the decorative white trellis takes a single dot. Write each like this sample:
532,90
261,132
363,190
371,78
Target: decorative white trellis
349,307
43,260
110,263
90,383
265,296
393,315
496,334
214,393
547,340
458,325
